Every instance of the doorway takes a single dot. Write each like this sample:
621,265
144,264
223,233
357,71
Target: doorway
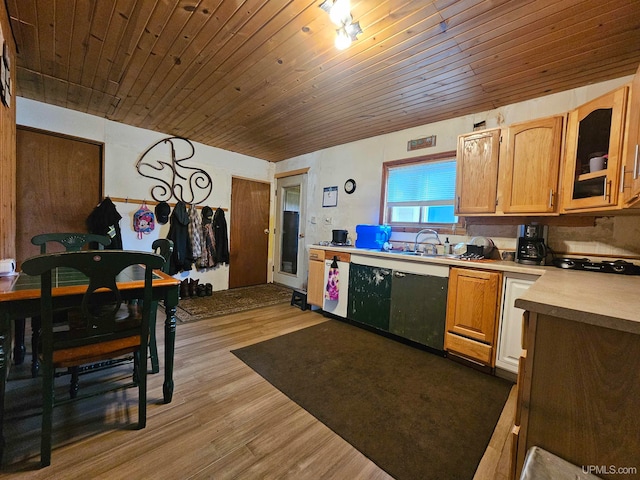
49,169
290,266
248,232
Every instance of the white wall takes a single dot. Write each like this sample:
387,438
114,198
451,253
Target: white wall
123,146
362,161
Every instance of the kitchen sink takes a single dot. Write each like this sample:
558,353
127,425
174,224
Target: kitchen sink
423,254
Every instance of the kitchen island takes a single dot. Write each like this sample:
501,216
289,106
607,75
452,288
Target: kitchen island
578,393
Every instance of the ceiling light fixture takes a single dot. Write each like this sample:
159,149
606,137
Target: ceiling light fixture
340,14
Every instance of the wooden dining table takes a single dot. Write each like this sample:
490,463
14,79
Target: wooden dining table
20,298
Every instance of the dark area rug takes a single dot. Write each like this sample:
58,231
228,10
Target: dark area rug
415,414
234,300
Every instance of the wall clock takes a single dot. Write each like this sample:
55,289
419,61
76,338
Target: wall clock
350,186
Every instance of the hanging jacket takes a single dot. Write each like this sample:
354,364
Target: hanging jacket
221,237
105,220
207,259
195,232
182,256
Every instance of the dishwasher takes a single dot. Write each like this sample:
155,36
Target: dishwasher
336,283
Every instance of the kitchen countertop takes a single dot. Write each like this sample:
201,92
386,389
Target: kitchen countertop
498,265
602,299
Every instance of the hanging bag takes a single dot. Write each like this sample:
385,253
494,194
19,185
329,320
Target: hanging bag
143,221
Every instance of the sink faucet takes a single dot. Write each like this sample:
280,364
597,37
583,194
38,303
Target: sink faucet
433,233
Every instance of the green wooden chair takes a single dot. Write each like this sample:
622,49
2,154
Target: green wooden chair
99,325
164,247
72,242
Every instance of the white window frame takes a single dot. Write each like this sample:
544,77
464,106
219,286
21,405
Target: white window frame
385,210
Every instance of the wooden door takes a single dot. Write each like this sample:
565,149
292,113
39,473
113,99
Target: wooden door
531,166
477,172
58,184
473,303
249,233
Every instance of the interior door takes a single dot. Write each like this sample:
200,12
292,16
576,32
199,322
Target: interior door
58,184
290,266
248,232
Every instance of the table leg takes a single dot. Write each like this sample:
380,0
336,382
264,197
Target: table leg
19,349
169,348
36,325
5,334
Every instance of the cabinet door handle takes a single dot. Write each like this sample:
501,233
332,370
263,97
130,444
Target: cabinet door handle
458,207
607,190
622,179
399,274
635,164
551,198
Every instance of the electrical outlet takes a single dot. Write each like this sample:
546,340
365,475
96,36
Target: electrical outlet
313,220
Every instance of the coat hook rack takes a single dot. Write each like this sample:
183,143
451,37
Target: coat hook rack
187,184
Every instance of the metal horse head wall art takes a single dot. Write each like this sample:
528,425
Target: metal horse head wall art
179,181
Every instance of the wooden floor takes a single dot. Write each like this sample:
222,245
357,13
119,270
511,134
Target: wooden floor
225,420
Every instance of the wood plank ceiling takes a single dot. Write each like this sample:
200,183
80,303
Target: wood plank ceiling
263,78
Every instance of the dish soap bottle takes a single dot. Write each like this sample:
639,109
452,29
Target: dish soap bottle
447,247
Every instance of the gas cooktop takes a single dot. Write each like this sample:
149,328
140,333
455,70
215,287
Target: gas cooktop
610,266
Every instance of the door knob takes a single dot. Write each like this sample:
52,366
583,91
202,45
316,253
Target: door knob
266,231
301,235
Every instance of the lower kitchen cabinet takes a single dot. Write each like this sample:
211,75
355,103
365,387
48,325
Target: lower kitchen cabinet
418,308
472,314
369,295
315,281
510,331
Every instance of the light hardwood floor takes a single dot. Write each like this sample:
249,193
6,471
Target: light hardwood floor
225,420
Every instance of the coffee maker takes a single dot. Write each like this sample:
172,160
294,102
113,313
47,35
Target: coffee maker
532,249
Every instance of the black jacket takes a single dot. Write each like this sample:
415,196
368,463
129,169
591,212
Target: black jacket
182,256
105,220
221,238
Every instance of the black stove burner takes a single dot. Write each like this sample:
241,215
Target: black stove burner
613,266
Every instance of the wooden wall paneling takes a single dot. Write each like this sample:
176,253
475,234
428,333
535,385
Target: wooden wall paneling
168,67
302,82
136,101
128,46
232,60
332,91
218,72
145,42
8,151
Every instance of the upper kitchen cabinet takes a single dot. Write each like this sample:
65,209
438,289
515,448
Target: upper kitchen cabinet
591,179
631,164
477,172
529,167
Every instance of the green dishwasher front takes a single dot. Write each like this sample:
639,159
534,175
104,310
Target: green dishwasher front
419,308
369,295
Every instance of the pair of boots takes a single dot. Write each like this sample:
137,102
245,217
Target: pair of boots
193,288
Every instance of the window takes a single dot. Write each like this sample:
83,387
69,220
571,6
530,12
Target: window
420,192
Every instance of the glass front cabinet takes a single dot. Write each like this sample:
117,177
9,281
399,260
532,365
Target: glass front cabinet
631,165
593,176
